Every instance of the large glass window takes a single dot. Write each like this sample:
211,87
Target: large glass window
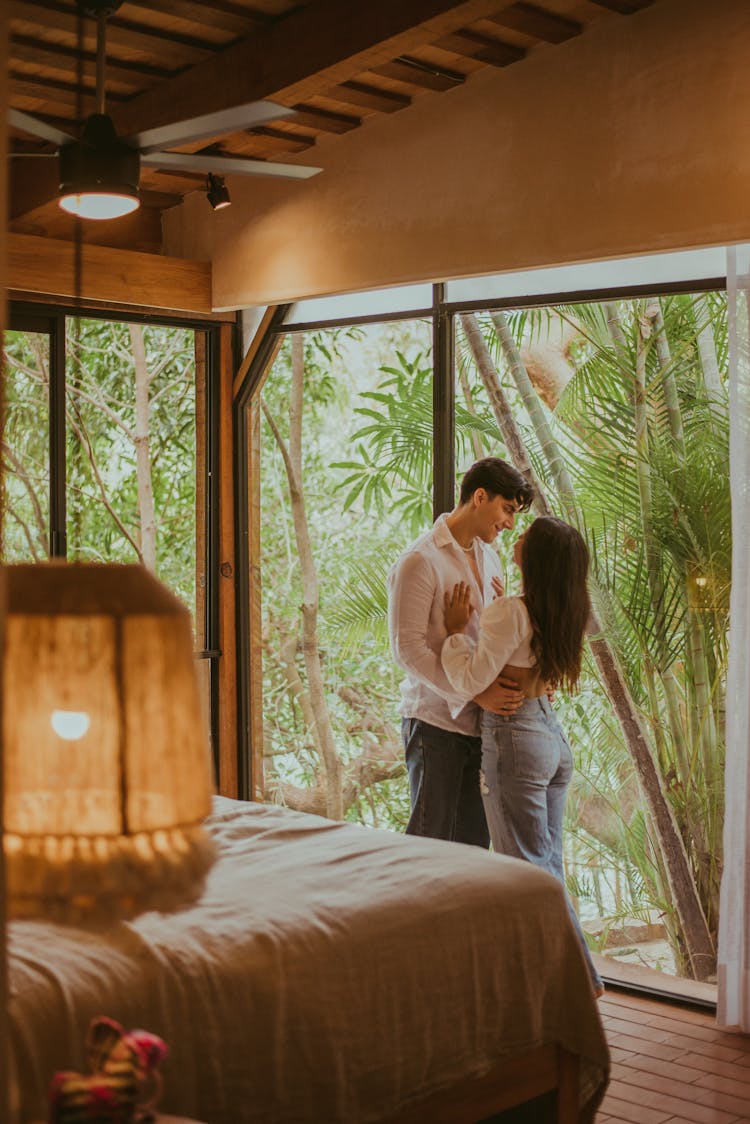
621,408
618,408
131,448
345,470
107,453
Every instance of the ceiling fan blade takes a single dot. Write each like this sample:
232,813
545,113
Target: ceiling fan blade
227,165
216,124
36,128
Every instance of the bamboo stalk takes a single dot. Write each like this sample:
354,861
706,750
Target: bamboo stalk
142,440
668,382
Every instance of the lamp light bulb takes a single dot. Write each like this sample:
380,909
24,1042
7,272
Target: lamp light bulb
70,724
99,205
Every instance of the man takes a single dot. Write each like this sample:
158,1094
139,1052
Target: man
443,752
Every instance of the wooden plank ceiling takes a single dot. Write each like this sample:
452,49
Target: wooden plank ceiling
335,63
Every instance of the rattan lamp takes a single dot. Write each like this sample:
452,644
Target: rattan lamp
106,762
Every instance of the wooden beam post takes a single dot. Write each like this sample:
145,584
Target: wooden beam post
125,277
228,736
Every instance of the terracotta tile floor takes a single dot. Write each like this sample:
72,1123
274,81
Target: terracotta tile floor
672,1065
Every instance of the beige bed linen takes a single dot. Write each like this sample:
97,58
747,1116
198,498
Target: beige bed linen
330,973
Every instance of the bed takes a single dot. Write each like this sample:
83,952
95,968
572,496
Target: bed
329,973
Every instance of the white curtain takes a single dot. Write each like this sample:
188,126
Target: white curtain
734,926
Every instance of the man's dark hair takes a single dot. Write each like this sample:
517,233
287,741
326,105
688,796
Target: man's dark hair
498,478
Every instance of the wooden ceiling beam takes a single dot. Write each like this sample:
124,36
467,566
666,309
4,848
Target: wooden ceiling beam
549,27
324,120
419,74
624,7
140,230
61,57
367,96
56,89
160,200
321,39
228,17
296,142
33,181
473,45
180,49
124,277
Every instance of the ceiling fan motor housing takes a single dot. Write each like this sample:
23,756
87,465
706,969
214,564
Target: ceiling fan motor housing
99,161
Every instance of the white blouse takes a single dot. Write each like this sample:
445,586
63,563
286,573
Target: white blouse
505,634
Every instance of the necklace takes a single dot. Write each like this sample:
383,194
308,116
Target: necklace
468,549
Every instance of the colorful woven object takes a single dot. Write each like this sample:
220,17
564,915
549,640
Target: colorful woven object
123,1085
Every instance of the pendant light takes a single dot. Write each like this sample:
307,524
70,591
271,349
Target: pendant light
99,173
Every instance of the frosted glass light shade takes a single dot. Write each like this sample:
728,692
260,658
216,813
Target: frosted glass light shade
99,204
107,774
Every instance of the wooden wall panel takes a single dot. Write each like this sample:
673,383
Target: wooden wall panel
122,277
542,163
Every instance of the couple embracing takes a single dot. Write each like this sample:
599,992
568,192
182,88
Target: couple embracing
486,755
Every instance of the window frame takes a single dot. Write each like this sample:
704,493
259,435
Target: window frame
51,319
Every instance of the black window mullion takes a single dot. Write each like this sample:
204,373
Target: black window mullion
443,405
211,515
57,451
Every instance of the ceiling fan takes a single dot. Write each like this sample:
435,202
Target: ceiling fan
100,172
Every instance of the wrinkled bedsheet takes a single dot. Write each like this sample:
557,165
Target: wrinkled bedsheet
329,973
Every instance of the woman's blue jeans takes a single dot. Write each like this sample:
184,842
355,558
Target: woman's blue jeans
527,766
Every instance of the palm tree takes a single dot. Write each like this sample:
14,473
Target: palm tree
622,466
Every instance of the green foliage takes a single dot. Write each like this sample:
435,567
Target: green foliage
358,524
656,513
103,492
394,464
26,447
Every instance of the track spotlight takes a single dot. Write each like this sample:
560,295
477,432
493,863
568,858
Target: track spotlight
217,192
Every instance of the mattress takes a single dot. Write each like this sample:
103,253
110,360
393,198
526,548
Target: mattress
330,972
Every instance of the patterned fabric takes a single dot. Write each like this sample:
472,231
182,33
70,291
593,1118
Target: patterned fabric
124,1083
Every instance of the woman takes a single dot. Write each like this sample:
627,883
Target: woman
537,640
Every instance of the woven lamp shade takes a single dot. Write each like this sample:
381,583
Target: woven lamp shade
106,761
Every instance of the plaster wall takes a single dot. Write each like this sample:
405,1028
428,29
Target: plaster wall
632,138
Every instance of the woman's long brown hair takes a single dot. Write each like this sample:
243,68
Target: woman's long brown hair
554,567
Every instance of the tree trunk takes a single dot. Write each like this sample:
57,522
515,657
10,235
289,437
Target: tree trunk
668,381
654,577
701,952
614,325
501,407
292,455
535,410
707,351
142,439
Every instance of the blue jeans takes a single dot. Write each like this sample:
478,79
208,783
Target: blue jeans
527,766
444,784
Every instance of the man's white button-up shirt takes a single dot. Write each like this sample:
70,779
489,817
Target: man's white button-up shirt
417,584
